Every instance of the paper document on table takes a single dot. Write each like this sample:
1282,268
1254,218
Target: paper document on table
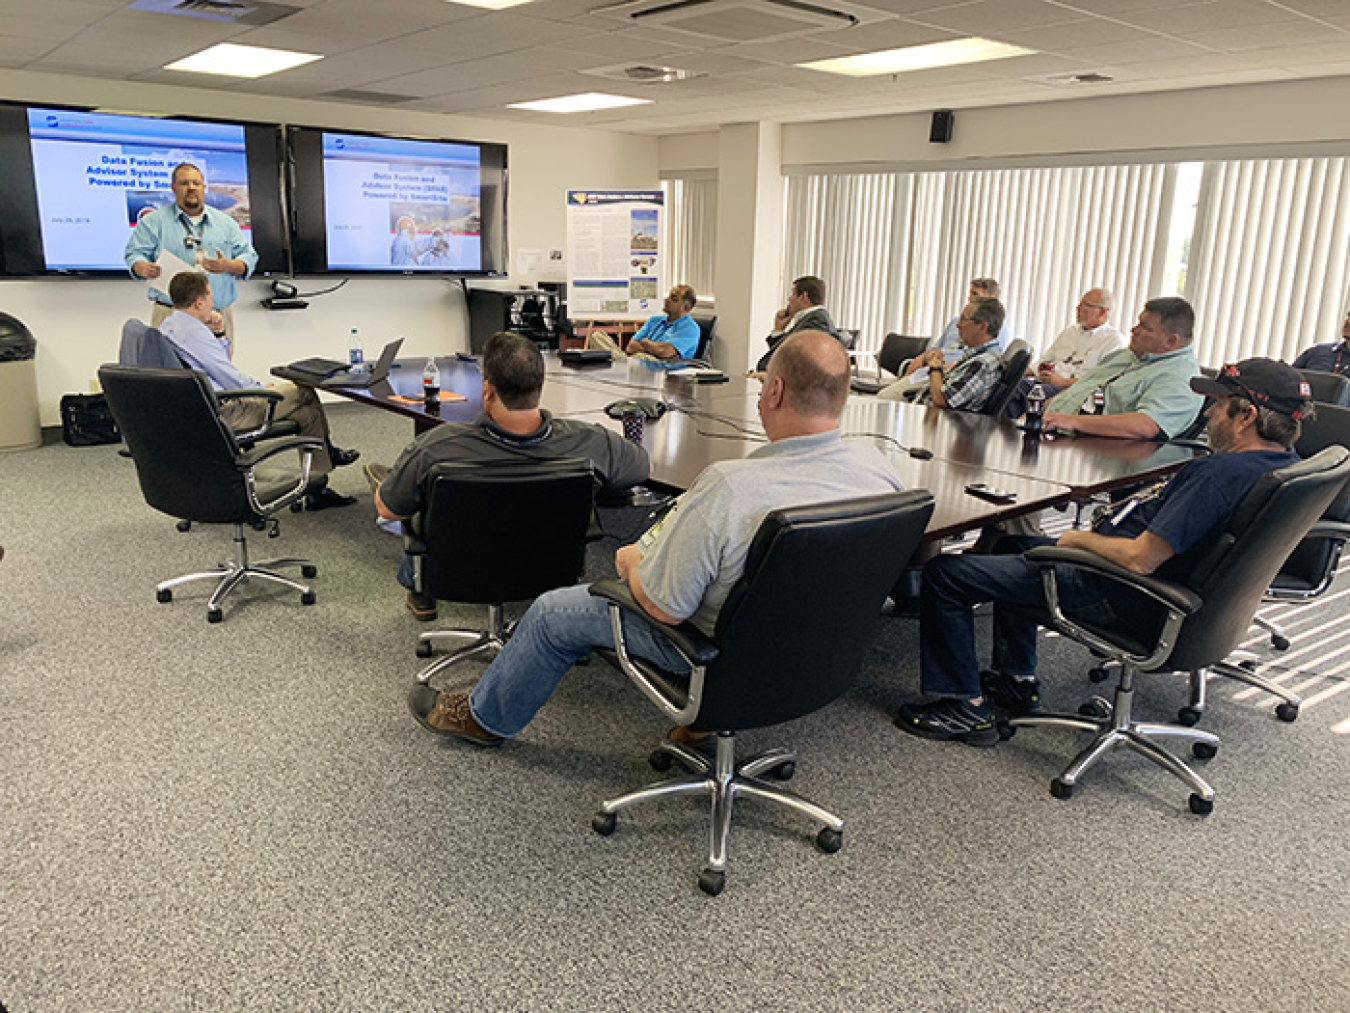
170,266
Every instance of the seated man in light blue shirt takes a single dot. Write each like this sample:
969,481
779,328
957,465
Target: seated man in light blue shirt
673,334
188,328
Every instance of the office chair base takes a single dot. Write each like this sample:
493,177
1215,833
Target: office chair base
488,641
232,573
1278,639
1117,727
1240,666
723,780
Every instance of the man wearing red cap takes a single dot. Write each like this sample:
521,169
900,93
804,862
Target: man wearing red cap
1254,420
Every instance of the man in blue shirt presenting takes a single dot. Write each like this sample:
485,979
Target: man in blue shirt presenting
670,335
1259,405
198,234
187,328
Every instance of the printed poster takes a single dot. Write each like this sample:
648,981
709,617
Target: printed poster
615,264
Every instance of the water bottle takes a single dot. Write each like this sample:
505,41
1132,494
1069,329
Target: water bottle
356,357
1035,407
431,384
1095,404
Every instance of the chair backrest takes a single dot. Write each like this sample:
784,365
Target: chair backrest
848,337
143,345
1015,359
1311,563
897,349
707,330
507,531
789,647
185,455
1328,388
1265,527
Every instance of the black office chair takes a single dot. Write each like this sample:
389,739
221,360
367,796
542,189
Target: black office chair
497,533
707,332
1015,359
848,337
1328,388
190,466
1306,575
1199,623
779,652
895,351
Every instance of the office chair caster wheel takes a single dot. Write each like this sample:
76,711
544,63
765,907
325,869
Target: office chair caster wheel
163,595
1287,712
604,823
829,840
1248,663
1189,716
1095,708
1098,674
307,598
1005,731
659,760
214,615
309,572
297,506
184,526
1201,806
784,771
1204,750
1061,790
712,881
1279,643
423,649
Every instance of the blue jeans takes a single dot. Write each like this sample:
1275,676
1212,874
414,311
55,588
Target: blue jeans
954,584
557,631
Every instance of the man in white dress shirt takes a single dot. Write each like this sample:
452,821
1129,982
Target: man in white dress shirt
1076,349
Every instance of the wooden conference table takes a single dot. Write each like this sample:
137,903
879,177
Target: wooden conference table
931,448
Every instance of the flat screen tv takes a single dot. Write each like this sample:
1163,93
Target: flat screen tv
396,205
73,183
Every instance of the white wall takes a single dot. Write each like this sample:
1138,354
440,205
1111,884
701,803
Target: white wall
77,322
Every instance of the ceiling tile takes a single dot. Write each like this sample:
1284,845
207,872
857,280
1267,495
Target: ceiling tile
1122,53
1269,37
996,15
1205,16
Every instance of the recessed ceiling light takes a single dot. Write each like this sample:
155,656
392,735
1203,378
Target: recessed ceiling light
491,5
581,103
230,60
935,54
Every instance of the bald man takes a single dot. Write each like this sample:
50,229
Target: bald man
684,567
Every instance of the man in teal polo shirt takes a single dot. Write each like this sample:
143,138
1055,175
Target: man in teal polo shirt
1145,391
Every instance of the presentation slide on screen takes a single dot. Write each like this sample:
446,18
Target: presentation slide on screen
395,204
97,174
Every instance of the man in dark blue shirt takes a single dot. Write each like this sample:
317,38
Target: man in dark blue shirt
1332,357
1253,423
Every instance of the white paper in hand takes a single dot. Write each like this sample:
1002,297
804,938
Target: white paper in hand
170,266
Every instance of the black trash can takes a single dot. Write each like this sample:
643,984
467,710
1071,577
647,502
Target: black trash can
20,427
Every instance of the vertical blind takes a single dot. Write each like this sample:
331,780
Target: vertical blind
691,224
1269,271
898,250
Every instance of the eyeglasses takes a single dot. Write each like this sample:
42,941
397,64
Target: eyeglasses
1091,305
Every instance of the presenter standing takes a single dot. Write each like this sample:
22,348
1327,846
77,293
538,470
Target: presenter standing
198,234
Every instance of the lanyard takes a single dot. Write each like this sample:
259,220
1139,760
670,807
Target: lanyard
193,240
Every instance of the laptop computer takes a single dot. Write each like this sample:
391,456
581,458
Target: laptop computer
365,378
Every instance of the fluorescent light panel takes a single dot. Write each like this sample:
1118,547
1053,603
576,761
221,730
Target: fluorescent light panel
491,5
583,102
935,54
230,60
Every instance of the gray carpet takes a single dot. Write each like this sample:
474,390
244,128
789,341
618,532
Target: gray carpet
244,816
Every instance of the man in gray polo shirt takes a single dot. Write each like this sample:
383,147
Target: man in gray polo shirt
684,568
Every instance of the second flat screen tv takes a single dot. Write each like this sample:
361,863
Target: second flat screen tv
396,205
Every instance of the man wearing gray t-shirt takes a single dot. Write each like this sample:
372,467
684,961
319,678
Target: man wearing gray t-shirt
683,569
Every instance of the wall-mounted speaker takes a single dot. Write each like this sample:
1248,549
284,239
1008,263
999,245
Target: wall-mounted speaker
941,130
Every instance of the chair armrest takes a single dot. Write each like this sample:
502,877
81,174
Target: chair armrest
234,395
1174,596
1330,530
250,459
688,639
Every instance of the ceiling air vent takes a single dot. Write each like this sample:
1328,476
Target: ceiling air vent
369,98
642,73
737,20
1073,80
239,12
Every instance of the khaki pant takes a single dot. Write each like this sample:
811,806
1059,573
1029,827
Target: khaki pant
161,313
299,403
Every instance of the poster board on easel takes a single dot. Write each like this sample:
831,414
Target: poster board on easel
615,261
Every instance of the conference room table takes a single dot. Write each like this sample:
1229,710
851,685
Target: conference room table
931,448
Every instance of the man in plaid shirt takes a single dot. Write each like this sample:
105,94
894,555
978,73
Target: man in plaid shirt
969,382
